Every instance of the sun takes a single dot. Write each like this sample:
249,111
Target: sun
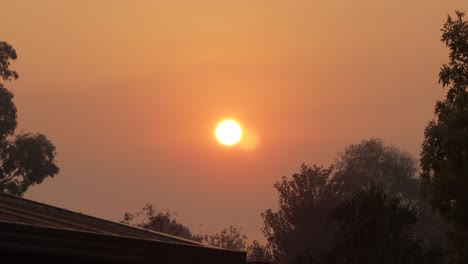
228,132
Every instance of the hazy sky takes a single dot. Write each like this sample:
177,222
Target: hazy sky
130,92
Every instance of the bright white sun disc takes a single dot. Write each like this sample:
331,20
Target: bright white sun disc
228,132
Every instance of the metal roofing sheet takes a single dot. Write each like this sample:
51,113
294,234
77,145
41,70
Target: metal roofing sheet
22,211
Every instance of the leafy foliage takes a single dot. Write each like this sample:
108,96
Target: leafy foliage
259,253
373,162
25,159
151,218
444,156
393,170
300,231
375,227
300,224
7,113
7,53
231,238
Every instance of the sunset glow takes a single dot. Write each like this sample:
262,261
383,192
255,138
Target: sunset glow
202,106
228,132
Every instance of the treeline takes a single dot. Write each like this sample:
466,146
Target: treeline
373,205
365,208
152,218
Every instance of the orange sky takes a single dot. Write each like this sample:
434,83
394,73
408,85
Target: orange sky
130,92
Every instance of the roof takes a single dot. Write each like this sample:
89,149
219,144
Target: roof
40,228
22,211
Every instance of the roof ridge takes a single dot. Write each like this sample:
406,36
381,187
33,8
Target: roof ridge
123,228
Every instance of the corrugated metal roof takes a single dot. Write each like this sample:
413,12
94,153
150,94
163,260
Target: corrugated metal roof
23,211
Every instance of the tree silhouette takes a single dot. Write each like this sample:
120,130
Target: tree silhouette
444,156
231,238
7,53
375,227
258,253
149,217
300,224
372,161
25,159
300,230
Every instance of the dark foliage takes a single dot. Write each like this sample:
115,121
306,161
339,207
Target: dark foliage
373,162
258,253
151,218
7,53
231,238
25,159
300,231
444,156
300,224
375,227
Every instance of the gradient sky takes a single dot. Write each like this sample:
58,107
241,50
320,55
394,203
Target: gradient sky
130,92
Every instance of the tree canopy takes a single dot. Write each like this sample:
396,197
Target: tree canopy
230,238
376,227
150,217
25,159
300,224
7,53
444,156
371,161
259,253
300,230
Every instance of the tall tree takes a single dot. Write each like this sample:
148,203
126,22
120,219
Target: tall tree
375,227
395,171
300,231
444,156
300,225
25,159
373,161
